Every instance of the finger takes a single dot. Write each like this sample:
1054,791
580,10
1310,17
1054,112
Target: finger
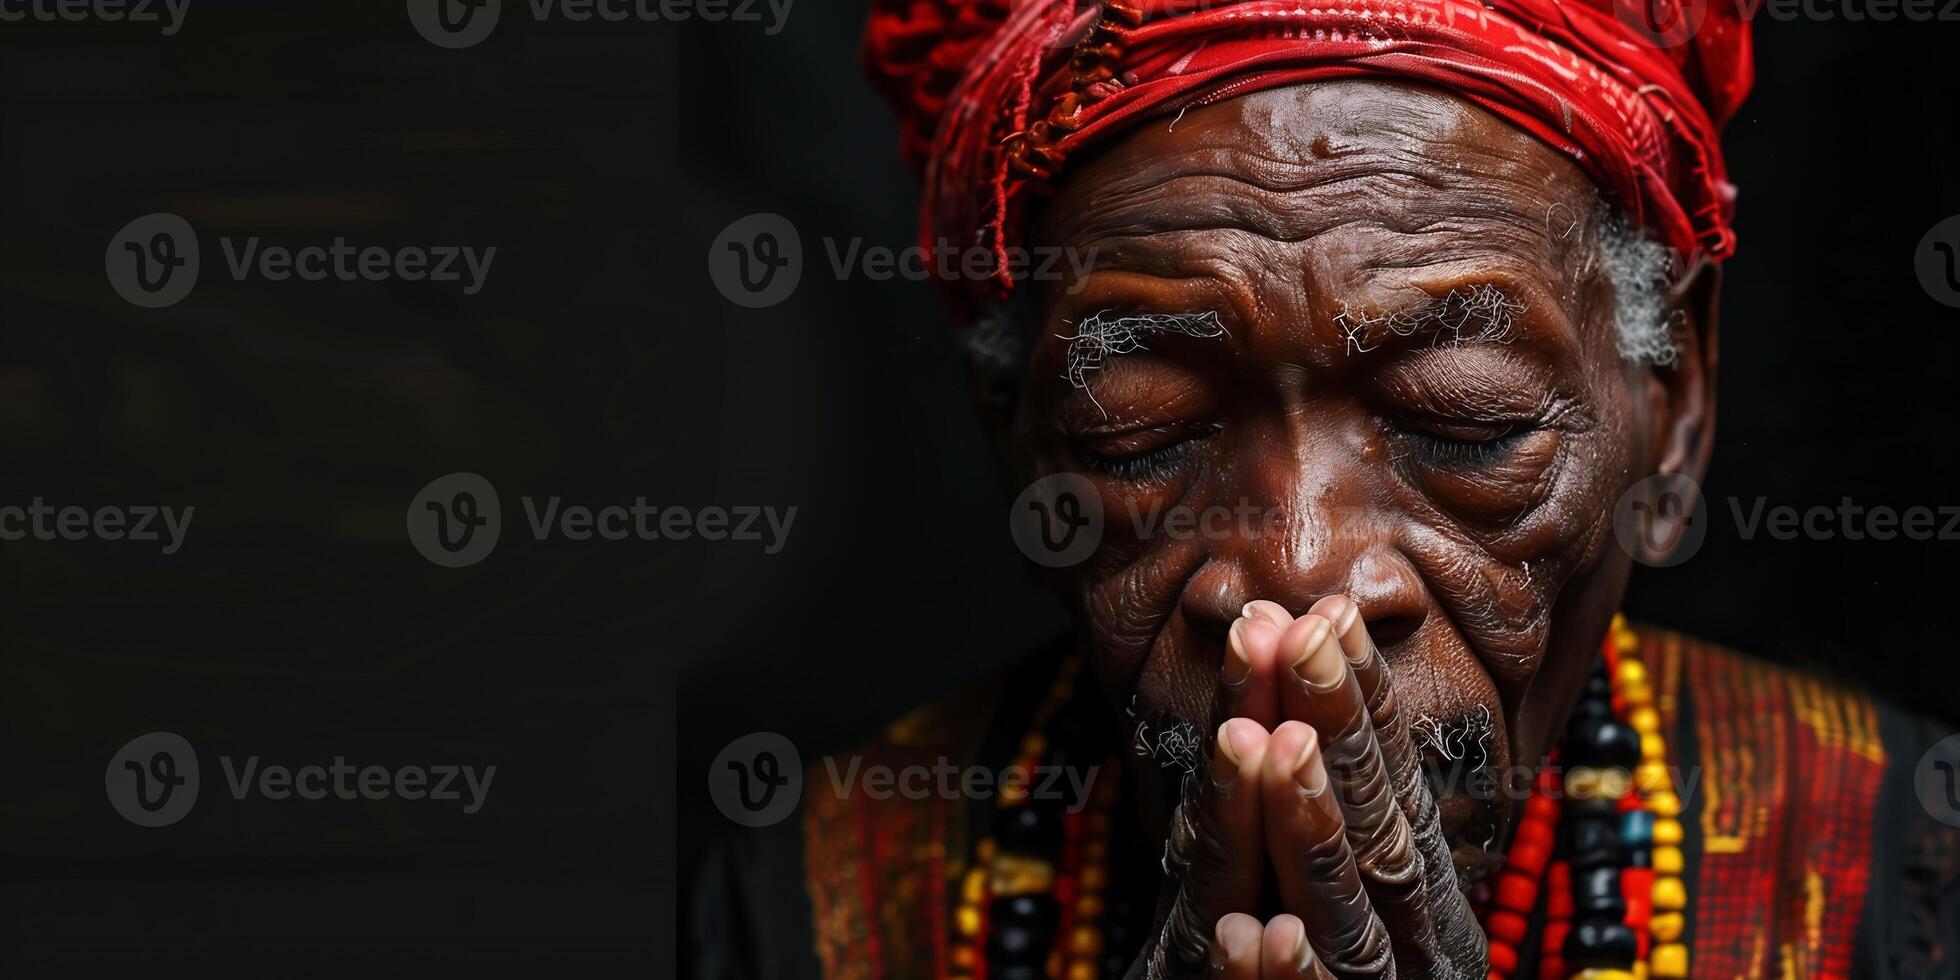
1246,680
1215,853
1318,879
1324,692
1236,947
1458,935
1287,955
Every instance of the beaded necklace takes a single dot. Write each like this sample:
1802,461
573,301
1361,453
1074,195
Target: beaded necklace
1037,900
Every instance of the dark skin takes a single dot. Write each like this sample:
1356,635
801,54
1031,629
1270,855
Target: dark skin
1431,526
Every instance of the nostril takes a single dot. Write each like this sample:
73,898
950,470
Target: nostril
1387,631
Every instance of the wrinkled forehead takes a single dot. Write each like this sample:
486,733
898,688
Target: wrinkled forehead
1360,188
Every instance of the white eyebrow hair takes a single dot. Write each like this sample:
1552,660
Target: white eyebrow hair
1477,313
1100,337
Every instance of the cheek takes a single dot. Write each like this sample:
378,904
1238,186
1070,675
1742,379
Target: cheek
1500,581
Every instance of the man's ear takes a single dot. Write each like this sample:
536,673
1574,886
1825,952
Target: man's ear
1681,395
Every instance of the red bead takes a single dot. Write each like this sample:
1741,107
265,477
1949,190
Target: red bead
1551,968
1506,926
1529,857
1516,890
1548,780
1503,959
1542,809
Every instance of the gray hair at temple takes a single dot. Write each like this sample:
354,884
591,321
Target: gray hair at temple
1639,267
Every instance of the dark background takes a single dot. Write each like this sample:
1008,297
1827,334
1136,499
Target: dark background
600,364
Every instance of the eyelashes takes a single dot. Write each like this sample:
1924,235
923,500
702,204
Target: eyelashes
1457,452
1158,454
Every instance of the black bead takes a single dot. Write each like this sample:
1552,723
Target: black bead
1596,808
1600,945
1597,686
1018,971
1602,742
1016,944
1641,858
1592,842
1597,893
1029,829
1590,708
1038,912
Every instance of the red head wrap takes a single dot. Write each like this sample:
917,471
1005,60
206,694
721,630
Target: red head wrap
996,95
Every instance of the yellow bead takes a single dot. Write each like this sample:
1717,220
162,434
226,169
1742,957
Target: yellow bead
1083,970
1664,804
1646,721
1085,941
1667,832
1093,878
1639,971
1637,693
968,919
1667,860
1670,893
1652,777
1627,640
963,956
973,889
1595,973
1631,672
1016,875
985,852
1652,749
1089,908
1666,926
1619,622
1669,960
1034,745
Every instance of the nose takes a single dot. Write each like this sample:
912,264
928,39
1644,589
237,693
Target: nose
1321,523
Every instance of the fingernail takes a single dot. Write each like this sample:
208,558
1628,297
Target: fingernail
1309,773
1238,663
1302,952
1320,667
1230,747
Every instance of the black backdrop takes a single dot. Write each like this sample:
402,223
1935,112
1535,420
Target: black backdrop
600,364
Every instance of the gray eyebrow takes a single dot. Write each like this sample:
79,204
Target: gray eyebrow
1099,337
1478,313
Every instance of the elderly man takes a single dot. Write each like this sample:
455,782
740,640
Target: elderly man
1415,291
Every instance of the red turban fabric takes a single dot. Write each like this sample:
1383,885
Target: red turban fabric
995,95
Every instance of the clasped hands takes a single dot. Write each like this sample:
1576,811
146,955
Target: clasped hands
1312,775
